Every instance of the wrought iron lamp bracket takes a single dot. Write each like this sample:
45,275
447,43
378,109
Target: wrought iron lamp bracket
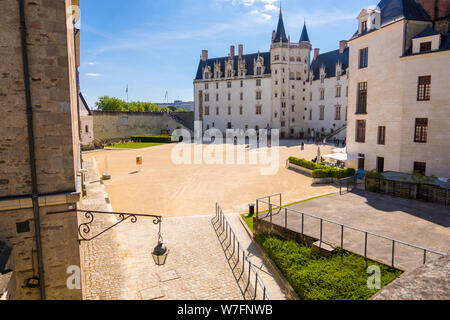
84,229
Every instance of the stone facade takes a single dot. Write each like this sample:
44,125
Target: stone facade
328,94
116,125
86,126
255,91
284,95
53,85
392,74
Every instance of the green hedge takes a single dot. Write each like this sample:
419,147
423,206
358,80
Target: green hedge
320,170
152,138
306,164
340,276
334,173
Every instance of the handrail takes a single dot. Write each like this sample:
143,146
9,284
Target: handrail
225,227
359,230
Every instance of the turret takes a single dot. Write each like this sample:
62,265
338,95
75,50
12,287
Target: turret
280,35
304,37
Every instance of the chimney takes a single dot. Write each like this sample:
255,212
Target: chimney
204,55
316,53
241,51
342,46
232,51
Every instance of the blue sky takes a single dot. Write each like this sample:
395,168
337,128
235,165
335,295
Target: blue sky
154,46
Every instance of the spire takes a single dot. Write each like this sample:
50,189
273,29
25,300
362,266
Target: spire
304,36
281,32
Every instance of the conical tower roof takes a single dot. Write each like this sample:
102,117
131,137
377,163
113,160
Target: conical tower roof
281,32
304,36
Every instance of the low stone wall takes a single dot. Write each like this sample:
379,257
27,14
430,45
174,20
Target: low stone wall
115,125
297,168
325,181
265,227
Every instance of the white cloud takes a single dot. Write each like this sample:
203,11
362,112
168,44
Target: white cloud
270,7
95,75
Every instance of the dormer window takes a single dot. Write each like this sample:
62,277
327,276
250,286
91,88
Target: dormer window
364,27
207,73
425,46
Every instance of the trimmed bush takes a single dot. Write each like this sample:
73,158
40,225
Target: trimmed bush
306,164
321,170
341,276
152,138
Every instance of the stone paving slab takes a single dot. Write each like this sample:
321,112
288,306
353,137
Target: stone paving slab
414,222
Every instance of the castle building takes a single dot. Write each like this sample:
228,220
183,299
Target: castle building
328,94
39,147
399,110
256,91
279,89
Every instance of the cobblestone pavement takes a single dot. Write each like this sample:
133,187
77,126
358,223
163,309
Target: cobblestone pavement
119,264
418,223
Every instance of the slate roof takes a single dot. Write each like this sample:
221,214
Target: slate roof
304,36
249,58
5,252
392,10
281,32
445,45
84,103
428,31
329,60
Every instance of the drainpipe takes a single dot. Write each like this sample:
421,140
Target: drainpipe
29,113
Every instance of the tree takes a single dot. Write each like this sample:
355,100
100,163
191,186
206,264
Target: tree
106,103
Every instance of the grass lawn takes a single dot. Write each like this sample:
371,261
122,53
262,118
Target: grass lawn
135,145
249,220
342,276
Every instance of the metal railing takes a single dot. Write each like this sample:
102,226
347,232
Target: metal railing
347,184
247,278
384,249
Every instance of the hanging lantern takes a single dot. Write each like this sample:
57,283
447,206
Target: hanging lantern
160,252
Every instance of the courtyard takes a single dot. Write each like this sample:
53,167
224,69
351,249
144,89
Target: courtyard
164,188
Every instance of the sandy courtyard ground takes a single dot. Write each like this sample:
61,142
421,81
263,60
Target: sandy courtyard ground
171,190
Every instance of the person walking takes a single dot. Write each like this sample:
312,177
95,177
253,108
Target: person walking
303,146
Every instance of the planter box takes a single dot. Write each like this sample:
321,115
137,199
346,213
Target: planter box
302,170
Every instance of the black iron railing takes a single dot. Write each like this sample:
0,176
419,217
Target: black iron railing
384,249
247,278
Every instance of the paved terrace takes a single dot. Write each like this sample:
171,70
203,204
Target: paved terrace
419,223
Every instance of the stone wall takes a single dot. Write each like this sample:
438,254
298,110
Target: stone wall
261,226
52,72
113,125
53,85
